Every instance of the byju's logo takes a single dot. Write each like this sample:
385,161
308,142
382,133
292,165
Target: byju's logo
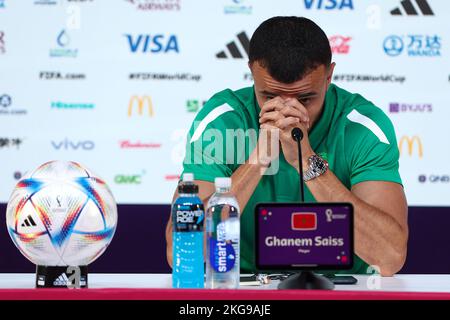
63,50
340,44
396,107
2,42
140,102
414,45
329,4
234,50
410,9
157,43
411,142
7,107
67,144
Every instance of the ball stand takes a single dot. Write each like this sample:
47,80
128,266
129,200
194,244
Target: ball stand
72,277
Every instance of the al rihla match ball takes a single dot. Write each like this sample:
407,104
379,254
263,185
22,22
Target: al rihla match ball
61,215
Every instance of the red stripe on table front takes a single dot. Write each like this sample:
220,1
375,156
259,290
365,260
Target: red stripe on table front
192,294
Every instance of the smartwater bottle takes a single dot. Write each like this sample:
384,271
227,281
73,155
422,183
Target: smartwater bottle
222,238
188,215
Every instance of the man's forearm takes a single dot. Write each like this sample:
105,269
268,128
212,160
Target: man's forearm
246,178
379,238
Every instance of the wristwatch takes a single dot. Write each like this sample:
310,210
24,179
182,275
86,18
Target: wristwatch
317,167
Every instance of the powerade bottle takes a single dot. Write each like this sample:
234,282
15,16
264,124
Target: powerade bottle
222,238
188,215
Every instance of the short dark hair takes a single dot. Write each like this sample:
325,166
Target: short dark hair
289,47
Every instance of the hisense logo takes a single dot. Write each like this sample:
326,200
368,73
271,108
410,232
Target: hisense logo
66,105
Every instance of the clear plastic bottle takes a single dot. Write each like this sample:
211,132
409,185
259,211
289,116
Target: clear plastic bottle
188,270
222,238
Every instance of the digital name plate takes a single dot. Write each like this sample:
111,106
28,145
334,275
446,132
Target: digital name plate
301,237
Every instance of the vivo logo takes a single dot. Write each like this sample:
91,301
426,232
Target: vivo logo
329,4
152,44
67,144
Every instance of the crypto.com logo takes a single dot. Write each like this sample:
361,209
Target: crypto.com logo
411,142
140,102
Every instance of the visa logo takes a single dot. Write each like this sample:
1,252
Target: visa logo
303,221
154,44
329,4
67,144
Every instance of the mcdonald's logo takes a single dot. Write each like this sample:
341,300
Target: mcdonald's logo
141,102
411,142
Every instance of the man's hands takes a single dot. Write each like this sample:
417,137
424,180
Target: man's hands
286,114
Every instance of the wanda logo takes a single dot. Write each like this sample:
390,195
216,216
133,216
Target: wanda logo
340,44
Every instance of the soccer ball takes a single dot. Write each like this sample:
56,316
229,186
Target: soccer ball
61,215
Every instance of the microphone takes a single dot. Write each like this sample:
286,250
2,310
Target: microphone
297,135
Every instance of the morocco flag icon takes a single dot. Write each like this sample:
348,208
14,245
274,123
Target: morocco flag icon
304,221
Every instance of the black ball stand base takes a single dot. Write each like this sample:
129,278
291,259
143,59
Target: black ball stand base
72,277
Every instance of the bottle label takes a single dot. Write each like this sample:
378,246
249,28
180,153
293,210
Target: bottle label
188,218
222,256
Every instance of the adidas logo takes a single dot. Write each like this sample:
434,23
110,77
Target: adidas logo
62,281
233,48
411,10
29,222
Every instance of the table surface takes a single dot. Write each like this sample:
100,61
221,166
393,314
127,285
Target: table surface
398,283
158,286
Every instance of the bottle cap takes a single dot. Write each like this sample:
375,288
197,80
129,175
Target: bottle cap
188,177
188,185
222,182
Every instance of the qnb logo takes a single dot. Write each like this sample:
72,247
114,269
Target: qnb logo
340,44
304,221
329,4
413,143
414,45
434,178
128,179
234,50
157,43
67,144
409,9
140,102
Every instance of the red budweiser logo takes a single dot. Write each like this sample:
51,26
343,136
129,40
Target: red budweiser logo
126,144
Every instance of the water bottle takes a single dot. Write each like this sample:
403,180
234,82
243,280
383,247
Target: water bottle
222,238
188,215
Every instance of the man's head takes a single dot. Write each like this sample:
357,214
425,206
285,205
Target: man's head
291,57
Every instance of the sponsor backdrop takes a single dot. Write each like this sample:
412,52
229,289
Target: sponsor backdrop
115,84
